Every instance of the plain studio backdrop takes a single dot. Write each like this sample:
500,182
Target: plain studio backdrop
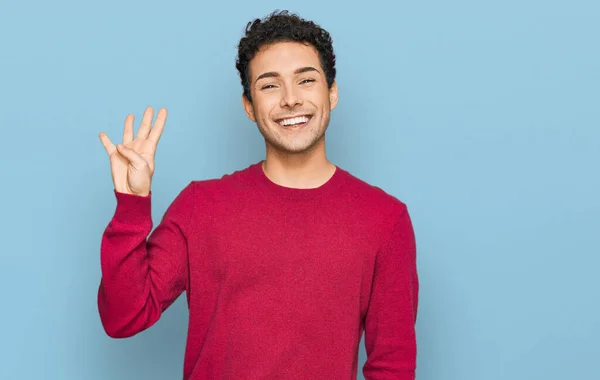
483,118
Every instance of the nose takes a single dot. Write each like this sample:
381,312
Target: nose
290,97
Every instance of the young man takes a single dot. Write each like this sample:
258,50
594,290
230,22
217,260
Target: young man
284,263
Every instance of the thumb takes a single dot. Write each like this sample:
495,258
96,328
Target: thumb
132,156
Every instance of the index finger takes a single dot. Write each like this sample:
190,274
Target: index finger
108,145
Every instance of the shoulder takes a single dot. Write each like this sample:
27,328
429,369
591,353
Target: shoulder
211,194
380,212
374,197
227,185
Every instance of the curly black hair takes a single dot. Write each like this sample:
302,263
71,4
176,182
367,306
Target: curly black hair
283,26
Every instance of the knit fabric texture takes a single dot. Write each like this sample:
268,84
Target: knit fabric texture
280,282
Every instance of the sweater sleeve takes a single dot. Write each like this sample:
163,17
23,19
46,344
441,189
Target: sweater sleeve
390,320
143,272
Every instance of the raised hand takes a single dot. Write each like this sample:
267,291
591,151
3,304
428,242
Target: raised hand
132,162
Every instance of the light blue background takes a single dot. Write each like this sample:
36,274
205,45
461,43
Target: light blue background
483,118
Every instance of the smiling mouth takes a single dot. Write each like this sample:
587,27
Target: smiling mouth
294,122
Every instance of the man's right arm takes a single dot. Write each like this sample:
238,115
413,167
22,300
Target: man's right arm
143,272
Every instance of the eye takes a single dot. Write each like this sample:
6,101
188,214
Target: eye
268,87
308,80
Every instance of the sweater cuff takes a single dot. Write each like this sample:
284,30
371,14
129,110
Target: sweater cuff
133,209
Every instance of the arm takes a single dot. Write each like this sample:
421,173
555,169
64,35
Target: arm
142,275
390,339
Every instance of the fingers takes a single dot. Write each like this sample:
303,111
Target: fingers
108,145
128,130
146,122
134,159
159,125
145,131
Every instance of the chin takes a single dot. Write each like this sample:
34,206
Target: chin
302,142
295,147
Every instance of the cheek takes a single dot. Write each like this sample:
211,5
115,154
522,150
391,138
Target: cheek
325,112
321,97
264,107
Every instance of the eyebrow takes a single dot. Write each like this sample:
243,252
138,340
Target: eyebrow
273,74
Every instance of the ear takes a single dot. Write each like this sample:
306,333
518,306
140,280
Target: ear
333,96
248,108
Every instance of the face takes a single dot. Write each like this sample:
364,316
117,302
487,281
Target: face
291,102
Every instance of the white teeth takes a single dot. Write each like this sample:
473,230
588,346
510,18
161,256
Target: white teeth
295,120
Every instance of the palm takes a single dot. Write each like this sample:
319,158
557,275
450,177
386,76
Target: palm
133,167
124,172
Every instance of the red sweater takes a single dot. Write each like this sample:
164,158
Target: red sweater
280,282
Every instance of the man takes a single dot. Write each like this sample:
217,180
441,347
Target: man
284,263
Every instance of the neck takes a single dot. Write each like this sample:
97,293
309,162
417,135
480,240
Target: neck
304,170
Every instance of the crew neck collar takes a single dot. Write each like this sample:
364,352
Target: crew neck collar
268,185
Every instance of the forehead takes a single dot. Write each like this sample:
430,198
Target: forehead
284,58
